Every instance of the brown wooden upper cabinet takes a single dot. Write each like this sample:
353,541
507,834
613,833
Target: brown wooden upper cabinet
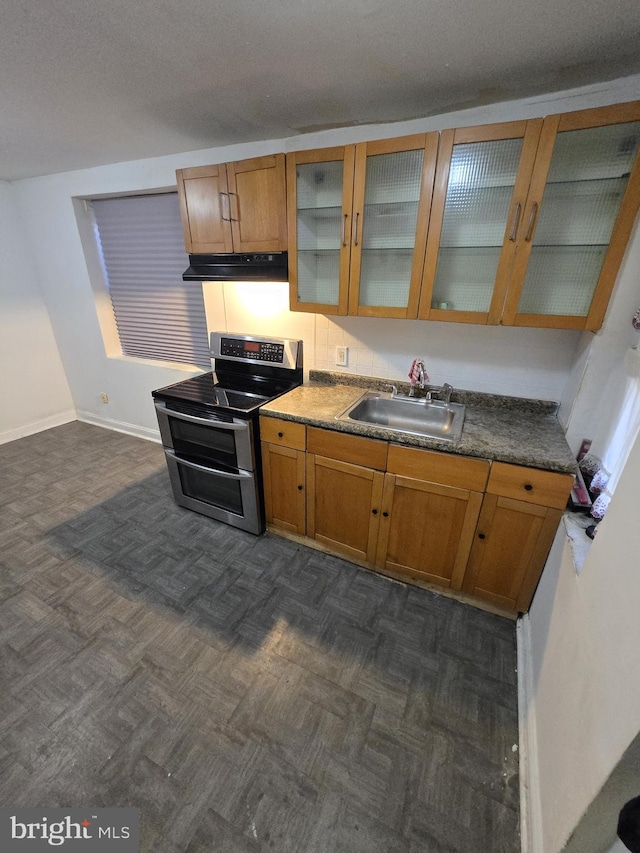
234,207
530,220
358,217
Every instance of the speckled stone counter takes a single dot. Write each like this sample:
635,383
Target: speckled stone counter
505,429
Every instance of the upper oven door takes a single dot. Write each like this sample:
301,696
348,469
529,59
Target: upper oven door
210,441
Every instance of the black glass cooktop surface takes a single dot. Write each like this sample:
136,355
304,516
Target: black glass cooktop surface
213,393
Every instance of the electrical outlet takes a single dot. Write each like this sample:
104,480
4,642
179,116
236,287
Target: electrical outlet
342,356
104,397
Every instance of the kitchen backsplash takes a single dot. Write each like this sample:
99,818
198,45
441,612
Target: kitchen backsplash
523,362
533,363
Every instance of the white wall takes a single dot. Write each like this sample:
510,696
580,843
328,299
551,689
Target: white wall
33,387
584,642
597,379
533,363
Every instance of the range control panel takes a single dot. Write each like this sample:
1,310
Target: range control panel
253,350
279,352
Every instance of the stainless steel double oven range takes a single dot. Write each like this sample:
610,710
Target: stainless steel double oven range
210,427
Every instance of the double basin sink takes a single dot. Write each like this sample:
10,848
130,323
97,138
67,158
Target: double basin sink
416,416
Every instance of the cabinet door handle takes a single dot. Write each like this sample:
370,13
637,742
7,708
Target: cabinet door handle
355,229
481,536
344,229
222,197
374,511
515,223
532,221
233,218
280,434
385,515
300,488
528,487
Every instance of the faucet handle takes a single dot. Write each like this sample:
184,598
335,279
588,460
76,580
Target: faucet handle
392,388
447,391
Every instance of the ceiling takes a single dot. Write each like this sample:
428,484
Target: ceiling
89,82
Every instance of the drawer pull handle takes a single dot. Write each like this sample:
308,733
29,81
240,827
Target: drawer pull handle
280,434
481,536
528,487
374,511
300,488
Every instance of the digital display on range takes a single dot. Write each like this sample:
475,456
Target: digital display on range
252,350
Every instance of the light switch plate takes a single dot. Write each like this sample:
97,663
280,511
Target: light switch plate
342,356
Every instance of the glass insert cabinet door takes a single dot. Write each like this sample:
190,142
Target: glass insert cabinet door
480,192
392,196
584,196
319,207
357,219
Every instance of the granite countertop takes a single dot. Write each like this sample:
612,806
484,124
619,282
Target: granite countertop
505,429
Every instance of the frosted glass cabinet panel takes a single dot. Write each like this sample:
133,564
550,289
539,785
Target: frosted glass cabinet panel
481,181
481,184
580,195
392,196
392,193
358,220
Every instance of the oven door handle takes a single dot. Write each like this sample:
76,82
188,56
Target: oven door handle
194,420
242,475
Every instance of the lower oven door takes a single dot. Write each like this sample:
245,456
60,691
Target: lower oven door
231,497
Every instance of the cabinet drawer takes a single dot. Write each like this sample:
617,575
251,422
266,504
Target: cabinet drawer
347,448
285,433
545,488
445,468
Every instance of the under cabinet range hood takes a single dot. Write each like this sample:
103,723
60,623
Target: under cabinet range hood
257,266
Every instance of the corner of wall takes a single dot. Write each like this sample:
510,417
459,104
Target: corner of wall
530,808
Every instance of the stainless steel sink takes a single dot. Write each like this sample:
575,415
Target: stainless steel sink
430,418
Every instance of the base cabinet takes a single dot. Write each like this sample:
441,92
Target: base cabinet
470,526
427,530
344,492
283,474
430,509
283,471
519,518
510,551
343,506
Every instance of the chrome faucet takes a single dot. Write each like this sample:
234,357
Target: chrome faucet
443,395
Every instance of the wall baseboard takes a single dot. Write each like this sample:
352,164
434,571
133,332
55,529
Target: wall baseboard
38,426
120,426
530,810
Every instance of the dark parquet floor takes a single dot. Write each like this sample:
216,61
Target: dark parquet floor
244,693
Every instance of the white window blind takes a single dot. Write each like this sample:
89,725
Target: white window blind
159,316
